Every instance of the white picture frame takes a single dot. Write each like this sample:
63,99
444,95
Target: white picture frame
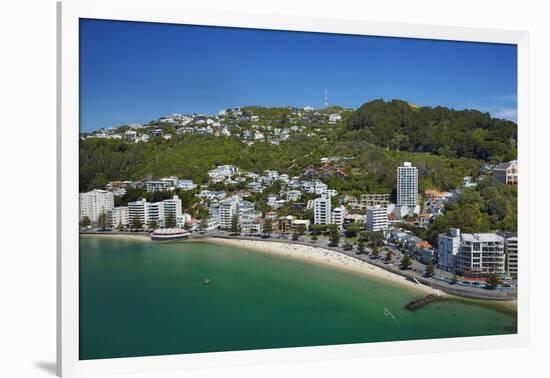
172,11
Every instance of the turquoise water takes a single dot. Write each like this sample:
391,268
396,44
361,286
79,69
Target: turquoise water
143,298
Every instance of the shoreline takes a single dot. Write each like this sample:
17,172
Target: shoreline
317,255
321,256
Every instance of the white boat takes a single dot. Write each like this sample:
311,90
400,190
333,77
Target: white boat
169,234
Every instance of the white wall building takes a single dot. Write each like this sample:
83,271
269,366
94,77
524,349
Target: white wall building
376,218
337,216
480,254
322,210
172,206
227,210
138,210
118,216
448,246
407,185
511,249
94,203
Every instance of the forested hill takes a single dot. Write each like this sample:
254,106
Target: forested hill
441,131
444,144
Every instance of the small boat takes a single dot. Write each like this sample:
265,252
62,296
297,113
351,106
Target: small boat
388,313
207,281
169,234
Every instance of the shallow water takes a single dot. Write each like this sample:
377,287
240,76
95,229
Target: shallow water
143,298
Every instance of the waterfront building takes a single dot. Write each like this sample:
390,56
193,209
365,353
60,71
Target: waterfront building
337,216
377,218
407,185
118,216
228,209
94,203
480,255
182,219
172,206
322,210
138,210
284,224
448,246
155,213
511,251
507,173
300,225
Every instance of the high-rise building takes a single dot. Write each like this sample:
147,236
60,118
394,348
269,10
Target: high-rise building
480,254
337,216
228,208
172,206
511,251
377,218
138,211
94,203
448,246
155,214
407,185
322,210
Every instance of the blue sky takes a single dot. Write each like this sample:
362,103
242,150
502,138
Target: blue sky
137,72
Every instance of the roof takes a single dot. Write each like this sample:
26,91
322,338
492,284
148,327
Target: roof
480,238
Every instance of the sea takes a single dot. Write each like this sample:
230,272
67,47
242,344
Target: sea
142,298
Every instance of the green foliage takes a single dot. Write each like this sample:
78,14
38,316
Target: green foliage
360,248
136,224
430,269
493,280
102,221
406,262
389,255
153,224
295,236
441,131
170,220
489,206
235,226
268,227
352,229
334,237
85,222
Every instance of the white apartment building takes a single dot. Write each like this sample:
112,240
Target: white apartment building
118,216
511,250
172,206
322,210
227,210
407,185
377,218
181,219
448,246
480,254
155,213
337,216
138,210
293,195
94,203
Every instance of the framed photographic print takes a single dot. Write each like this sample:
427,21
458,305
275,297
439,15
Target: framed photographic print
252,188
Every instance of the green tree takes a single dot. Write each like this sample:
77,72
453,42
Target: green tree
334,237
493,280
314,238
235,226
406,262
204,223
153,224
348,246
360,247
170,220
375,252
102,221
352,229
389,255
430,269
268,227
120,227
295,236
454,279
85,222
136,224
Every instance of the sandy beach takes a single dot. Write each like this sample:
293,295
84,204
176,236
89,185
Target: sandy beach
123,236
325,257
